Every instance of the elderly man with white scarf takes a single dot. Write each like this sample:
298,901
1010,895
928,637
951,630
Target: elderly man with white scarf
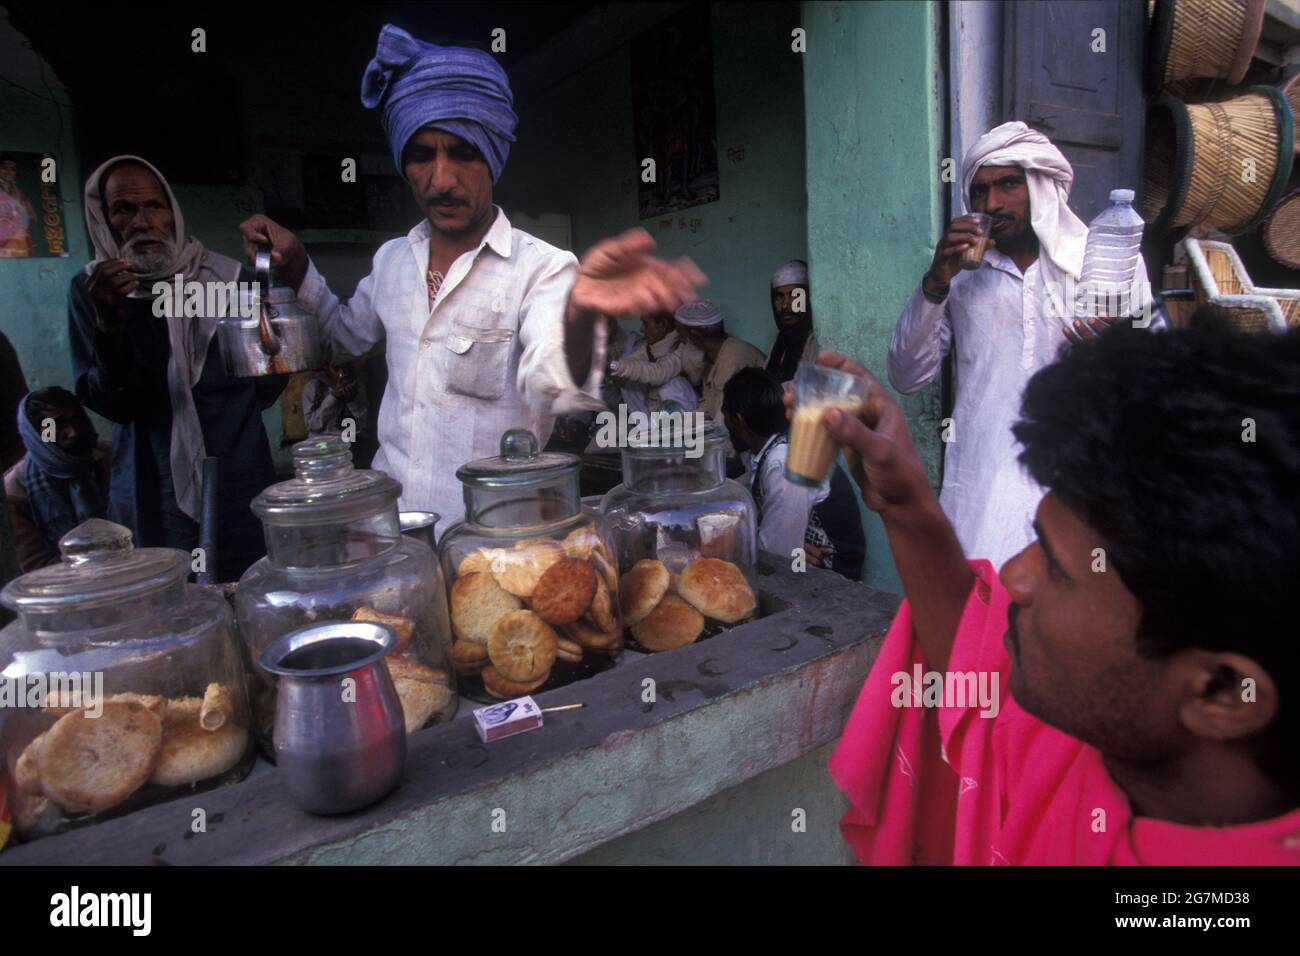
1004,321
486,328
161,380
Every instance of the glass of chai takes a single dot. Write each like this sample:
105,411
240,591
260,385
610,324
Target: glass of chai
812,449
973,256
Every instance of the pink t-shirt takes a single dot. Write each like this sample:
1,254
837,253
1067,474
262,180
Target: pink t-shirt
1012,789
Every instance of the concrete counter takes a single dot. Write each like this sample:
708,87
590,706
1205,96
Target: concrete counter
723,763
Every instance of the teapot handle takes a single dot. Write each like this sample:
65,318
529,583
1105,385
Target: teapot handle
262,267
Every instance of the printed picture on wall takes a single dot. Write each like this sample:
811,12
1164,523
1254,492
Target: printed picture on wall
674,115
31,212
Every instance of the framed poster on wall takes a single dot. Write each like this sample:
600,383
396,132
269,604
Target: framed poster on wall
31,211
674,115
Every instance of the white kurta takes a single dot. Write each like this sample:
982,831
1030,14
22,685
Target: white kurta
1003,329
487,357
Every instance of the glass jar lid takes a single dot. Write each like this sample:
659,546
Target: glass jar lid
100,566
521,464
325,487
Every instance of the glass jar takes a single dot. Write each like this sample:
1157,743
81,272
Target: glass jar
121,684
335,552
534,591
685,540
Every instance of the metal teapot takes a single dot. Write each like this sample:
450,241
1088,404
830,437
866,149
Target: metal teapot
280,336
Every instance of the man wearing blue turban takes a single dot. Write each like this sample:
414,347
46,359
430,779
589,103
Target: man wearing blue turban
486,327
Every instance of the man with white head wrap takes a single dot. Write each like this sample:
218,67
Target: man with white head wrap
791,311
161,380
486,327
1004,321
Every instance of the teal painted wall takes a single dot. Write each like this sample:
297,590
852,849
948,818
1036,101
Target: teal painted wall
576,154
874,195
35,117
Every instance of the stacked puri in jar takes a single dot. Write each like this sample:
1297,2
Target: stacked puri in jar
665,610
516,610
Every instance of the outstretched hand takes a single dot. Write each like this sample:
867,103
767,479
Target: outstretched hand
619,276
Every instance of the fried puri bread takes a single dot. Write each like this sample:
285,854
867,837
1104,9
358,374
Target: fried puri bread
504,689
582,632
567,650
601,613
27,771
404,626
717,589
522,647
476,562
642,588
564,592
518,571
190,753
584,544
421,692
468,657
477,603
673,623
90,764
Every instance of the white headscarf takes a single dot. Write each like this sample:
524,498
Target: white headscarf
1061,234
190,336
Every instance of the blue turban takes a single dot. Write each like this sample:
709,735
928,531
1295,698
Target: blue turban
456,89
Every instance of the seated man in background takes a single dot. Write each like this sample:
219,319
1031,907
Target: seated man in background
792,312
58,483
725,354
824,521
649,372
1153,679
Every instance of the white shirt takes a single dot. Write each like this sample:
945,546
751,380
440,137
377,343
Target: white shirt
489,355
786,506
1004,329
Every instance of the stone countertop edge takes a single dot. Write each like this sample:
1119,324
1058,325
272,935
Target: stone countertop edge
746,701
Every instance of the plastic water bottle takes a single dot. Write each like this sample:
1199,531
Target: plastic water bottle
1110,259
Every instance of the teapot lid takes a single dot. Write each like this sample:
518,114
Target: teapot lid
520,464
326,487
99,566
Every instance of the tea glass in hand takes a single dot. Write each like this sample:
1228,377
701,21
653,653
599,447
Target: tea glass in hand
974,255
812,449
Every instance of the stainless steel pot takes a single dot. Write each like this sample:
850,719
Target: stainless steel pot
340,740
280,337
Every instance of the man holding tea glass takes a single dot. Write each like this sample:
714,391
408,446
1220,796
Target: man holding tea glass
995,293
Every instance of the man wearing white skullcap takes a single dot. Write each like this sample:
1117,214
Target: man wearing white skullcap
1004,322
792,313
701,322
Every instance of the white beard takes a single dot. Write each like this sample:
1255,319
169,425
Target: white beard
149,262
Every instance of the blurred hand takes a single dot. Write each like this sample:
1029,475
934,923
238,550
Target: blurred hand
619,276
1089,332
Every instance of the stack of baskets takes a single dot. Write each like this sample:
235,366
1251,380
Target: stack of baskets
1220,279
1191,39
1217,164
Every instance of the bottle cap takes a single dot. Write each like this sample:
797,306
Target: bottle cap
1121,195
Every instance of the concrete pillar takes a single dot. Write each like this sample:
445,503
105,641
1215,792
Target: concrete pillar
874,148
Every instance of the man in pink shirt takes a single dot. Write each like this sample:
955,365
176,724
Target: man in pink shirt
1125,690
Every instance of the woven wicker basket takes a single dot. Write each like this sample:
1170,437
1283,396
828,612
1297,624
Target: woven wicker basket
1220,279
1220,164
1291,90
1201,38
1280,231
